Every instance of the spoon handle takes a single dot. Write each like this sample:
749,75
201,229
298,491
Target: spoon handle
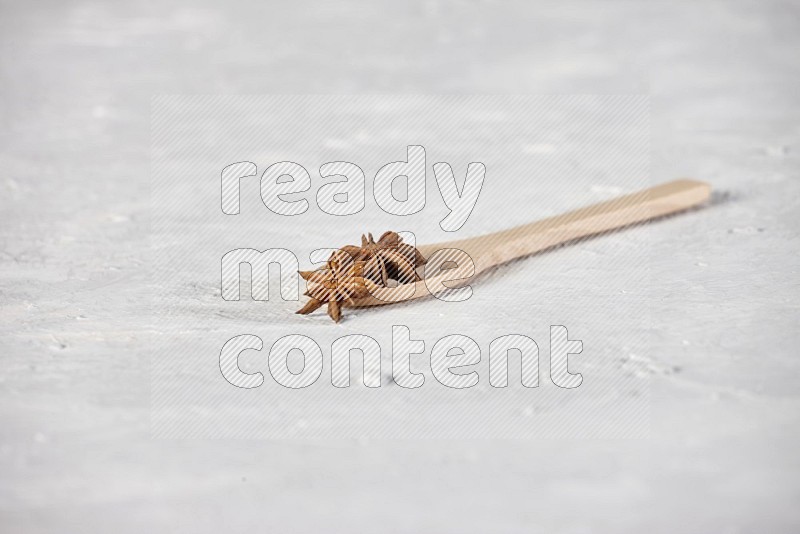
489,250
499,247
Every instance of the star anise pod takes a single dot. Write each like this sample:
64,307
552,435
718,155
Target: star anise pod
353,272
390,258
334,285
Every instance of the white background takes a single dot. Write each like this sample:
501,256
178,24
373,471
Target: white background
75,448
543,155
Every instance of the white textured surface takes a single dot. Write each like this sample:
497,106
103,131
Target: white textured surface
600,148
75,448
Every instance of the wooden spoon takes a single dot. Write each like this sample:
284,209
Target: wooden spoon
490,250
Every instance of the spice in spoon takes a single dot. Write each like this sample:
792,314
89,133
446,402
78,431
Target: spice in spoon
354,272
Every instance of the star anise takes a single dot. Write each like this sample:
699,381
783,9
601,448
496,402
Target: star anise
334,285
353,272
390,259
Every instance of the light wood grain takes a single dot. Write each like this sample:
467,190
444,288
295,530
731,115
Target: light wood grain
490,250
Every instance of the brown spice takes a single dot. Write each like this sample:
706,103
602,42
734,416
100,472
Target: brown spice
354,272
